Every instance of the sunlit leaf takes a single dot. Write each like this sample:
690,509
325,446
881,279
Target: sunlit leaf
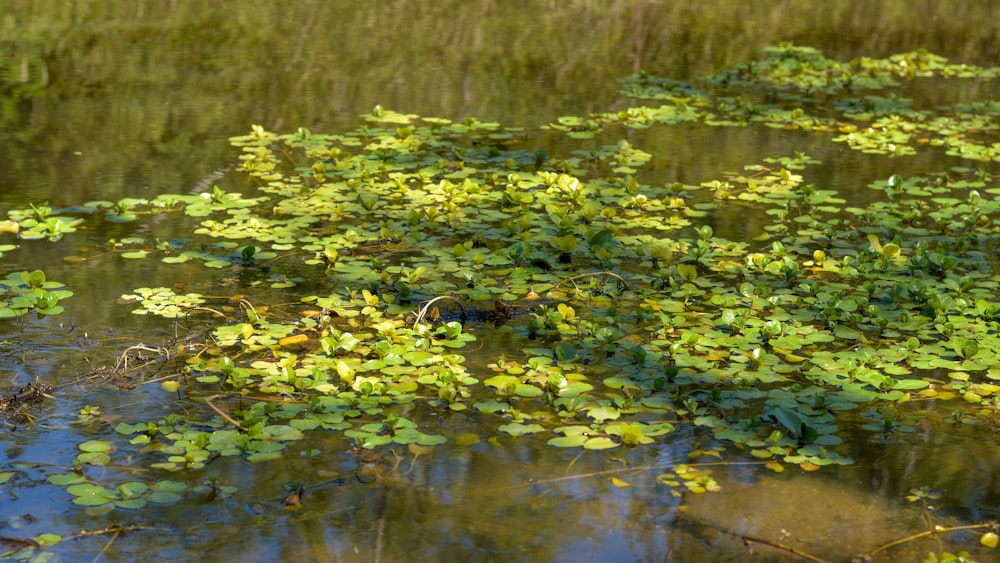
600,443
989,539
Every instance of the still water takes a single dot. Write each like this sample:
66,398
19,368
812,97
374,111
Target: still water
109,99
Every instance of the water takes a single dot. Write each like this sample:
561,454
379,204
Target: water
103,100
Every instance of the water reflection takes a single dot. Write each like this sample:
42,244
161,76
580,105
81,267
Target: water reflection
960,460
509,499
516,502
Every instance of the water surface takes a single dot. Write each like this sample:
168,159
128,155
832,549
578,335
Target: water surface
103,100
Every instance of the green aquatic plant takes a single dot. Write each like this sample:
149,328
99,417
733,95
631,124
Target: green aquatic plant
38,222
162,301
380,261
31,291
794,77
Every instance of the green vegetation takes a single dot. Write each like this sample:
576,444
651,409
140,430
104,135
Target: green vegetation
30,291
633,317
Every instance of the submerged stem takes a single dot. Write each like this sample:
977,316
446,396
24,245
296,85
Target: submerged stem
607,274
427,306
211,405
936,530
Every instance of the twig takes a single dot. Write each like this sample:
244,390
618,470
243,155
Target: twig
607,274
208,401
747,540
123,358
161,378
423,310
22,541
107,546
248,306
936,530
781,547
209,309
573,462
116,530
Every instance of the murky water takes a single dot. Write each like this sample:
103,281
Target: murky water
103,100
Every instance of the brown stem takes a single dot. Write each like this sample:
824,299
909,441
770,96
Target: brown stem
936,530
208,401
423,310
606,274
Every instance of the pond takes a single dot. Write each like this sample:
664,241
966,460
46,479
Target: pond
530,281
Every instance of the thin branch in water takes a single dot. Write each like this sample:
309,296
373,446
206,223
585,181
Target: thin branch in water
107,546
209,309
248,306
21,541
122,363
161,378
116,529
211,405
927,533
573,462
427,306
749,540
607,274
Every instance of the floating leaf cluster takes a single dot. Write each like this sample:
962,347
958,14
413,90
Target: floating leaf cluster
798,88
23,291
766,344
634,317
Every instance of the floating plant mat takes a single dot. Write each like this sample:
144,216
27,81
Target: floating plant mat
635,317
